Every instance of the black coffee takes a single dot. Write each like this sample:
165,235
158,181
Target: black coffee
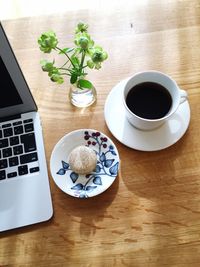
149,100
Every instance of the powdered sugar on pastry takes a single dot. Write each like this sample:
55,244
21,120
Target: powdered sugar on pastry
82,160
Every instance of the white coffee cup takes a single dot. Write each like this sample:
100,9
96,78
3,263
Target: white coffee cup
178,96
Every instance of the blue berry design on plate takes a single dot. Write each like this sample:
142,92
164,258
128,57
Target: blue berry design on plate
107,165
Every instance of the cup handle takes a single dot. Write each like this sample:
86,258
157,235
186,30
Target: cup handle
184,96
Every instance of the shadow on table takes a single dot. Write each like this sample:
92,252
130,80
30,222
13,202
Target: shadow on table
165,184
86,212
153,175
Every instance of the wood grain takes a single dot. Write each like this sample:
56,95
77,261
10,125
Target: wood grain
150,216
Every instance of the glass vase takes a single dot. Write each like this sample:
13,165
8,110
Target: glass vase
82,97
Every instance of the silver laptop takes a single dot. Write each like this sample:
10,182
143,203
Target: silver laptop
24,185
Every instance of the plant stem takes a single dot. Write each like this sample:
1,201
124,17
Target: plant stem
82,61
64,64
65,74
66,56
64,69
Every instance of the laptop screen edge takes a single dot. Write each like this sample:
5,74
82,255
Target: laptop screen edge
10,61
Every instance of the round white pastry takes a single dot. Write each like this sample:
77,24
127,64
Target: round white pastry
82,160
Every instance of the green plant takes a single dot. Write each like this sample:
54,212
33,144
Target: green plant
84,54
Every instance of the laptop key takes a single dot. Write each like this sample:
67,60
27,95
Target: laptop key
34,169
3,164
28,127
7,152
29,142
12,174
18,129
14,140
28,158
8,132
2,175
17,150
22,170
17,123
28,120
13,161
6,125
3,143
1,134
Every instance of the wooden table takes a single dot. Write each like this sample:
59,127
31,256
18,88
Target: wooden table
150,216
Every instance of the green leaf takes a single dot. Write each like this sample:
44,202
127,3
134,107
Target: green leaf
85,84
75,61
73,78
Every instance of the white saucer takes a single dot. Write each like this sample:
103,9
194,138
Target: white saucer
157,139
94,183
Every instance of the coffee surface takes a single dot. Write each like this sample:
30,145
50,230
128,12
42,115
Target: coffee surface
149,100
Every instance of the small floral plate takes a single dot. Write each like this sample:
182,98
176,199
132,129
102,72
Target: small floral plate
84,186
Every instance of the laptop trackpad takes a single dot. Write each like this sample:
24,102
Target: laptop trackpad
23,202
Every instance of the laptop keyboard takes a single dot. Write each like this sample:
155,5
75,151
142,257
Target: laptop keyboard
18,152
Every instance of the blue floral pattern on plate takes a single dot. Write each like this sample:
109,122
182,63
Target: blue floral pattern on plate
84,186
